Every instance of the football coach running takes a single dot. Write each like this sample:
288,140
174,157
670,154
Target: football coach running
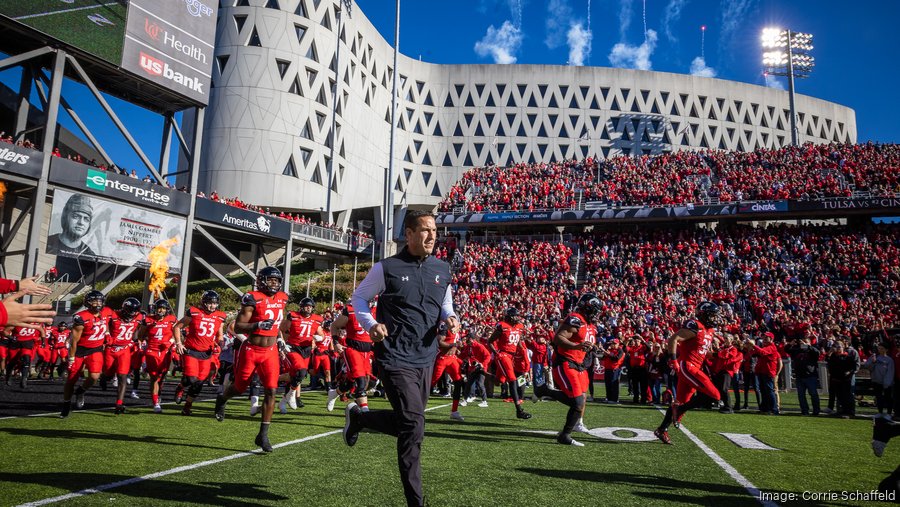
414,298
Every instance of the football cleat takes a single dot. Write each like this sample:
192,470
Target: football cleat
135,395
463,403
521,414
120,409
483,404
79,400
291,398
66,408
282,407
568,440
186,410
663,436
456,416
254,405
880,436
580,427
157,409
332,397
351,424
263,442
179,394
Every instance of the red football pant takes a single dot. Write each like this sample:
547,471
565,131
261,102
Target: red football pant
93,363
194,367
60,353
4,352
137,359
447,364
298,362
571,382
358,363
505,371
690,380
320,364
262,360
117,362
157,362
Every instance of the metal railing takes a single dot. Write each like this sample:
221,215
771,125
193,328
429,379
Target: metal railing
351,241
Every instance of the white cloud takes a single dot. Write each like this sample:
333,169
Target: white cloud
559,14
772,82
634,57
671,16
624,17
501,43
699,68
734,13
579,44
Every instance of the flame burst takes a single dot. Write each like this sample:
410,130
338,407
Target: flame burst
2,190
159,266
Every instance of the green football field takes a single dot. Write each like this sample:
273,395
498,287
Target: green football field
490,459
94,26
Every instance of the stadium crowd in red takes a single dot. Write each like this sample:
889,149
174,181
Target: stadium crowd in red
808,171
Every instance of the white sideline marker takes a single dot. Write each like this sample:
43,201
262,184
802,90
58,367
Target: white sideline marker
748,441
724,465
185,468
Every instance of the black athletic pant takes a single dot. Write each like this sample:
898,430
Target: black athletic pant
723,384
407,389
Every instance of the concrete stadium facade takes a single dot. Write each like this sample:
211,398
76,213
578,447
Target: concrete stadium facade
268,125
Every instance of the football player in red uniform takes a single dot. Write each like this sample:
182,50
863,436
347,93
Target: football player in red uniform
23,347
357,354
205,331
320,364
124,330
89,330
160,334
691,343
448,361
575,336
477,358
260,319
59,340
504,342
302,330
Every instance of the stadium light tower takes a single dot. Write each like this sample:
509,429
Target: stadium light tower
788,55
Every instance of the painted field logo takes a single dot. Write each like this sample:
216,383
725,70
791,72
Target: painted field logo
95,180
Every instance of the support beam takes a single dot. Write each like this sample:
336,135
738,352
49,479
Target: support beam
166,148
16,60
288,256
40,194
23,108
115,119
118,279
219,276
15,226
189,235
221,247
184,145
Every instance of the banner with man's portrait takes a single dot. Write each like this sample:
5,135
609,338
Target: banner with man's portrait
86,230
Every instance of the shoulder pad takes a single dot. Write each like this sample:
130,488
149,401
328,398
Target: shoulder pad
347,311
248,299
692,325
77,320
574,321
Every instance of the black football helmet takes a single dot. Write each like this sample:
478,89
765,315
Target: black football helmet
588,305
62,325
512,314
708,313
210,301
162,308
269,280
130,308
306,306
94,300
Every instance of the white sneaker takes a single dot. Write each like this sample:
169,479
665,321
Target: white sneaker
470,399
576,443
79,401
254,405
483,404
157,409
291,398
115,382
282,406
128,380
580,427
463,403
456,416
135,395
332,397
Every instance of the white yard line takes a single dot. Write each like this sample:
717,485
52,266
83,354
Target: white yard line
185,468
724,465
64,11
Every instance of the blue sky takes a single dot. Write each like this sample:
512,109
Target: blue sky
855,48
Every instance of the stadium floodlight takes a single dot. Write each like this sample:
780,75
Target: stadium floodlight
788,56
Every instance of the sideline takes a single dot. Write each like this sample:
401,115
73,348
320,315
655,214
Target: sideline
185,468
724,465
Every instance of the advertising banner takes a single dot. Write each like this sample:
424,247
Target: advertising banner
118,186
241,219
763,207
20,160
846,204
85,230
170,42
588,215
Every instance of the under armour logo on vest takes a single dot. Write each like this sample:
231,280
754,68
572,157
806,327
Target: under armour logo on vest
404,278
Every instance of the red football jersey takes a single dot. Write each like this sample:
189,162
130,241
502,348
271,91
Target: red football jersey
325,344
60,339
303,329
95,327
121,332
24,334
160,332
510,336
586,333
266,308
451,339
203,329
694,351
355,331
